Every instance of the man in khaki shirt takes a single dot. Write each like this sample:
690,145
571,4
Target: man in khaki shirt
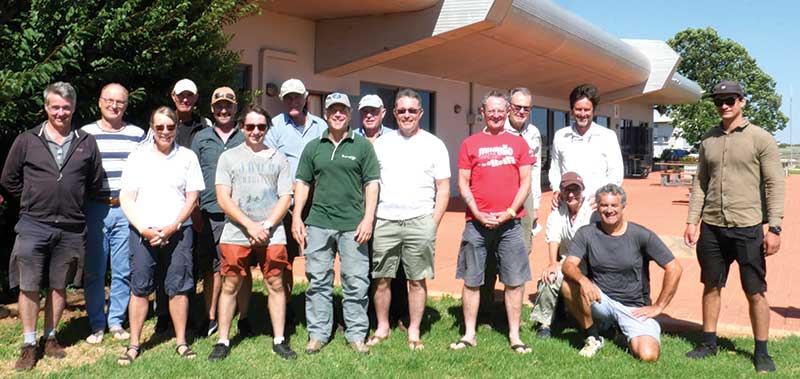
739,186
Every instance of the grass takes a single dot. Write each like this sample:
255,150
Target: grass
491,358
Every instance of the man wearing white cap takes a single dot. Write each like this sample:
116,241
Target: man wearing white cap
184,95
343,169
371,110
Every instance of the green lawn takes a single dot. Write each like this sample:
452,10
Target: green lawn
491,358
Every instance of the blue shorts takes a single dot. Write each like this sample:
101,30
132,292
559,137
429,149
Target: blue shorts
170,264
609,311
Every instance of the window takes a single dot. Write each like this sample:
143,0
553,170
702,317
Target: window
388,94
242,79
560,119
602,120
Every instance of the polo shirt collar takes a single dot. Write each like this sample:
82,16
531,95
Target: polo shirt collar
349,135
360,131
740,128
44,124
172,151
510,128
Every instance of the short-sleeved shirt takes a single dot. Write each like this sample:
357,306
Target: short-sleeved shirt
208,146
161,183
338,174
382,131
115,146
291,139
494,160
560,228
619,265
410,167
257,181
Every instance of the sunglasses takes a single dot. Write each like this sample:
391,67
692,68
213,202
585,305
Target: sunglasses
406,110
225,95
520,108
729,101
160,128
251,127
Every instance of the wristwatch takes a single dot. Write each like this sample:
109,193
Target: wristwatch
775,230
267,225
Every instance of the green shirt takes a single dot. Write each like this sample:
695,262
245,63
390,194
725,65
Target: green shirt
739,179
208,146
338,174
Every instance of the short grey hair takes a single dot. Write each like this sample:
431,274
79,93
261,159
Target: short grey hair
612,189
62,89
491,94
523,90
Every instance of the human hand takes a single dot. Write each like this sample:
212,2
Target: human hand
556,199
299,231
644,313
589,292
772,243
487,220
364,231
256,233
550,273
690,235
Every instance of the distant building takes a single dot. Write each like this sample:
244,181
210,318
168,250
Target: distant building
665,136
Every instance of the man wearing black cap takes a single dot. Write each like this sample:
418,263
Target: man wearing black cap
738,193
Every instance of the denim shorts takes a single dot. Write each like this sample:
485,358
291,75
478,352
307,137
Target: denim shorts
505,243
609,311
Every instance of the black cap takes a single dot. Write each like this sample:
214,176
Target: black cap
726,87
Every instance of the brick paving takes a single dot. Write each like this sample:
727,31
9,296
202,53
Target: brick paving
663,210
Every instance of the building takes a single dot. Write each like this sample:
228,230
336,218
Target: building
665,136
453,52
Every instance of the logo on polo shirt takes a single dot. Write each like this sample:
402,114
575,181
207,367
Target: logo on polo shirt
350,157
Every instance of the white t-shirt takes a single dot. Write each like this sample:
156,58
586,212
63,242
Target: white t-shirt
410,167
559,227
595,156
161,183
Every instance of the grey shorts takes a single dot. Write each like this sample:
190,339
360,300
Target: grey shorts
206,244
609,311
507,245
410,242
170,264
45,256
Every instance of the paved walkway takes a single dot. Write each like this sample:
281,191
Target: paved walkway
663,210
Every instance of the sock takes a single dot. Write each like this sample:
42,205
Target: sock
29,338
49,333
710,338
761,348
593,331
225,342
277,340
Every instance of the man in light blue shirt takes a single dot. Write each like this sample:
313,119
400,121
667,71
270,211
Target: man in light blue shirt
371,110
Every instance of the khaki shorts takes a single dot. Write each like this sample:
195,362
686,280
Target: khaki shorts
409,241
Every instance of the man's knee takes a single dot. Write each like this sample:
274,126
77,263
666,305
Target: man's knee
417,284
231,285
275,283
645,348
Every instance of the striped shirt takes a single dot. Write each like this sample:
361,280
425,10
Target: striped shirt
114,150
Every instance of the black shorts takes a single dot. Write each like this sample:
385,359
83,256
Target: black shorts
718,247
46,256
170,264
206,245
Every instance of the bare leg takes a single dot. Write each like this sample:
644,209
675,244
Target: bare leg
227,304
470,299
581,310
711,305
212,284
178,310
137,312
28,310
417,294
54,307
645,348
382,298
276,303
759,315
513,300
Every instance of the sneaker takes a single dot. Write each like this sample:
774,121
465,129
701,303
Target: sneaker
763,363
591,347
119,333
360,347
27,358
244,327
53,350
212,327
313,346
543,332
701,351
163,324
284,350
219,352
95,338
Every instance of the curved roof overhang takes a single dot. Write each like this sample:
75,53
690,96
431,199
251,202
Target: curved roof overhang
327,9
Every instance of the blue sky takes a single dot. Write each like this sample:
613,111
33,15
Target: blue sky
769,30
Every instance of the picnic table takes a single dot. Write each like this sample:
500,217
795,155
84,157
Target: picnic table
677,173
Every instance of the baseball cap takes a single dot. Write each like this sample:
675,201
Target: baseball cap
571,177
726,87
184,85
373,101
337,98
293,86
223,94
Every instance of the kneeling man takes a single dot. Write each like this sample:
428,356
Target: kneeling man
617,286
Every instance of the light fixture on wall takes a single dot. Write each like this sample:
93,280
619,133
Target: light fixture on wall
272,89
457,109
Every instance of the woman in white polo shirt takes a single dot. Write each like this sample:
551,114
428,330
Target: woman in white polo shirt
159,190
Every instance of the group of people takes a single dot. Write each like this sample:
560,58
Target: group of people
189,199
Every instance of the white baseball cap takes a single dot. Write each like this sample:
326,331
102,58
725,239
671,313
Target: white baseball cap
184,85
337,98
373,101
293,86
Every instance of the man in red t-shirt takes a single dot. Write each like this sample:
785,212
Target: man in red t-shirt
494,178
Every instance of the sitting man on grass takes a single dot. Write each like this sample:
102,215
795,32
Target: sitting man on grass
616,289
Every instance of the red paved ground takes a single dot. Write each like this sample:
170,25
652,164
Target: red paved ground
663,210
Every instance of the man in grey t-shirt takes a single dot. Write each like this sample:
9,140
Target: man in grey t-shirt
254,189
616,288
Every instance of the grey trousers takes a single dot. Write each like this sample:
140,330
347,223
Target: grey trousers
320,253
545,305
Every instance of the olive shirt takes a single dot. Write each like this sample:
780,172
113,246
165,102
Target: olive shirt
739,177
338,174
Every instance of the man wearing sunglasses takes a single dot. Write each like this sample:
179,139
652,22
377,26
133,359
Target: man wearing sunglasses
739,175
208,145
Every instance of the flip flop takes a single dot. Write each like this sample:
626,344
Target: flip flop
525,348
415,345
461,345
376,339
187,353
126,359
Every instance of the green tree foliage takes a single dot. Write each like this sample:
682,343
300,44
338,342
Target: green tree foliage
707,58
144,45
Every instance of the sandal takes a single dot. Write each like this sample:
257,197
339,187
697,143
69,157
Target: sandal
461,344
376,339
126,359
187,353
525,348
415,345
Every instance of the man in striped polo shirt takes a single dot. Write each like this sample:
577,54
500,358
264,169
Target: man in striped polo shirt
107,228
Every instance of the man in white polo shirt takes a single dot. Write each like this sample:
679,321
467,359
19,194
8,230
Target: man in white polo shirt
415,190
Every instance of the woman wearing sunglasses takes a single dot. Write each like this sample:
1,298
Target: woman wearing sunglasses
159,190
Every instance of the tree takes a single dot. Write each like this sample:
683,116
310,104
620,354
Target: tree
707,58
144,45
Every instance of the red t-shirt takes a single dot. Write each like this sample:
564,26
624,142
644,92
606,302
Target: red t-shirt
495,160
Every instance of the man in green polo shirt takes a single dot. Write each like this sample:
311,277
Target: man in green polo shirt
343,169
